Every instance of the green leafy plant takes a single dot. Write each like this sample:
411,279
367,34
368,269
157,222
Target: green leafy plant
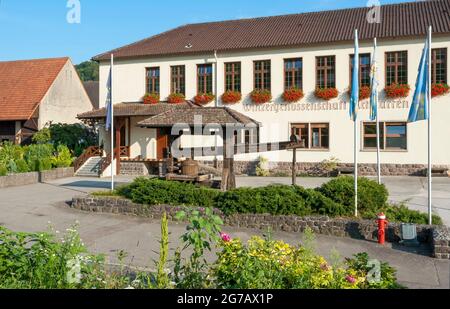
201,233
42,137
3,170
63,157
162,278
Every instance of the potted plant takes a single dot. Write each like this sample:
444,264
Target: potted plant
261,96
326,93
204,98
439,89
176,98
231,97
364,92
293,95
395,91
151,98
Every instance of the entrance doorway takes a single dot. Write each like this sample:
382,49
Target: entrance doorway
162,143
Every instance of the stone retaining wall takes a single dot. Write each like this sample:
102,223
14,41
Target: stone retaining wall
441,243
23,179
362,229
316,169
134,169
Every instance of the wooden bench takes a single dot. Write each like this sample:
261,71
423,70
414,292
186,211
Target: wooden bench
438,172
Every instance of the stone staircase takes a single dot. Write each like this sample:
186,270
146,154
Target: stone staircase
91,168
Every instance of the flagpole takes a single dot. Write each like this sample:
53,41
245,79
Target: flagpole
377,120
430,177
112,122
356,64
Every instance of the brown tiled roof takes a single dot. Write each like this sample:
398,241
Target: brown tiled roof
93,90
135,109
397,20
23,85
210,115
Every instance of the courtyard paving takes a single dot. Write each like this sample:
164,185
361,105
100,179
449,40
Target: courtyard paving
31,208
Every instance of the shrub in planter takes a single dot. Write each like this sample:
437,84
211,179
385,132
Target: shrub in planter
439,89
160,192
231,97
151,98
293,95
372,196
261,96
176,98
204,98
395,91
326,93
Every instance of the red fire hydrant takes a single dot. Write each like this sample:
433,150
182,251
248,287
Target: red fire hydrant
382,225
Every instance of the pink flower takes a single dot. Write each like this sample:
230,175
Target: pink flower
350,279
225,237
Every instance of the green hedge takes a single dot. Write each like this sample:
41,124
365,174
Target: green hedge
335,201
371,195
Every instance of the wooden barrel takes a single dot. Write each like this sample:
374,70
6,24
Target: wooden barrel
189,167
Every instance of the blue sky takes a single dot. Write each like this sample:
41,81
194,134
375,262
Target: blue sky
39,29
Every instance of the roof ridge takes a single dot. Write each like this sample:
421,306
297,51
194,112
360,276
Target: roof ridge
35,59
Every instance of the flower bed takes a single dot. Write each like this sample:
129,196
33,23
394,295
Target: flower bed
396,91
261,96
293,95
231,97
151,98
176,98
204,98
439,90
326,93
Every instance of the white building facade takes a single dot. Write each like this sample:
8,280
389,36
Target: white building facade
324,125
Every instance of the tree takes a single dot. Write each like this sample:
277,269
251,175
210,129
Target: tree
88,70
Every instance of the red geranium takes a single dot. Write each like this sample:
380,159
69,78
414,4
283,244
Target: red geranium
175,98
397,91
204,98
293,95
231,97
151,98
364,92
261,96
326,93
439,89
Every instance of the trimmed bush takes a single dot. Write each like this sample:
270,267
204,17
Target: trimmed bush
371,195
160,192
401,213
63,157
277,200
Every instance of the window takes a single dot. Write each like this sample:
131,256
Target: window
178,79
439,66
393,136
233,76
396,68
262,75
326,72
293,73
364,70
315,135
204,78
152,80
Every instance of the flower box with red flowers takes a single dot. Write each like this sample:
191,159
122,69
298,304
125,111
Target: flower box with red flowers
204,98
231,97
364,92
326,93
395,91
176,98
439,89
151,98
293,95
261,96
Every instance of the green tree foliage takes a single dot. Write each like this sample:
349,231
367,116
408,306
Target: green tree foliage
88,71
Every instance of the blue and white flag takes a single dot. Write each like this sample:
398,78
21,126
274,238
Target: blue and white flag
354,98
374,85
109,103
419,107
